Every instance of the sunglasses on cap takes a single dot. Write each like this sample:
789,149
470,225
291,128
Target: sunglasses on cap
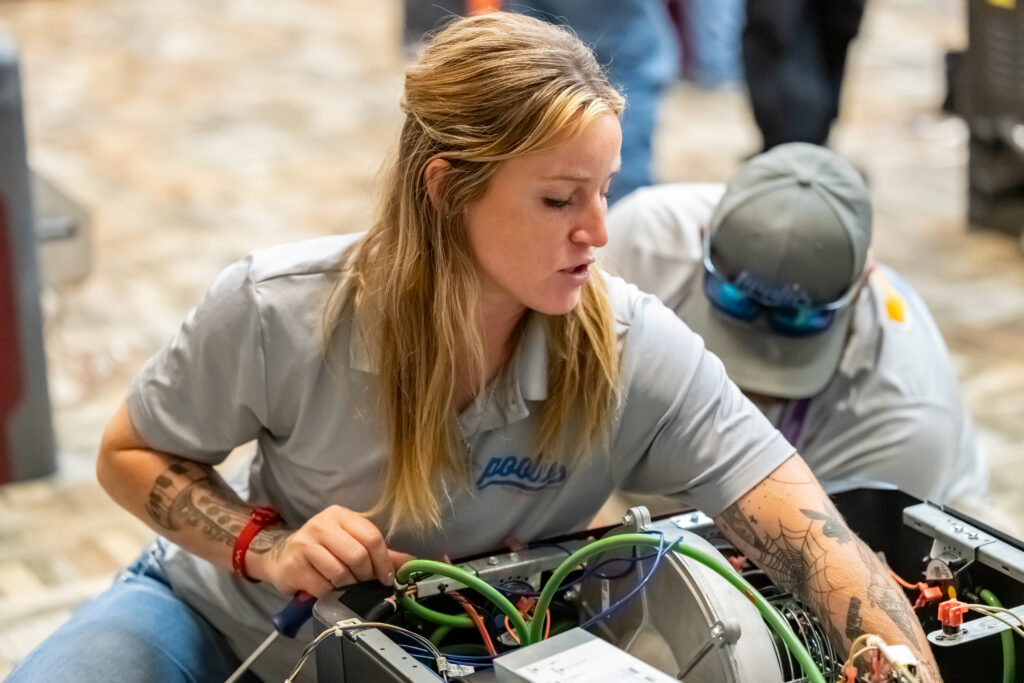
787,320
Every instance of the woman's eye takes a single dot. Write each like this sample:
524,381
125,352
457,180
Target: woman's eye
557,203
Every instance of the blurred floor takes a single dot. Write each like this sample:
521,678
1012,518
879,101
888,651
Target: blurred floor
194,132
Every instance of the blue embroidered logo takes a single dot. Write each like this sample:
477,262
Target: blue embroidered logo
521,473
771,293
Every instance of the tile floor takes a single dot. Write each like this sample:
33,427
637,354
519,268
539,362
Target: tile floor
194,132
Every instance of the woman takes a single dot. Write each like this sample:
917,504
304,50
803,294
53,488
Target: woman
458,378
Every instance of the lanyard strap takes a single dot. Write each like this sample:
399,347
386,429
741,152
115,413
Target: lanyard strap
793,424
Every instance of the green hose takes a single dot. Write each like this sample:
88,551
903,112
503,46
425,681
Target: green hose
769,613
439,633
462,576
433,616
1009,653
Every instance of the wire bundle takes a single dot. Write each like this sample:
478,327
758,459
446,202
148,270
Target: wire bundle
538,626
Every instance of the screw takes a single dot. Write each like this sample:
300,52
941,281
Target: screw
627,519
958,528
492,560
972,535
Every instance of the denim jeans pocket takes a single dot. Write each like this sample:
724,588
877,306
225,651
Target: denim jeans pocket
149,563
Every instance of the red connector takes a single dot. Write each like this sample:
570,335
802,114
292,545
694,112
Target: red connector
928,594
951,614
925,594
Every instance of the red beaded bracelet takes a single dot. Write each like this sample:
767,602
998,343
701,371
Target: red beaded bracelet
259,518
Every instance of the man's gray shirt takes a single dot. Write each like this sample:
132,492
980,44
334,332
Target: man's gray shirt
248,364
891,413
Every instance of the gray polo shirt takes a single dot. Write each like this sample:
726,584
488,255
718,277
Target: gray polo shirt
891,413
247,364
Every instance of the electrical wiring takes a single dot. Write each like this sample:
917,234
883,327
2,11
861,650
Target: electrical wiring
533,632
440,661
465,622
483,662
306,651
547,627
992,612
382,610
485,589
872,642
1000,609
902,582
1006,639
625,572
439,633
588,572
409,604
529,591
854,652
478,621
775,620
663,549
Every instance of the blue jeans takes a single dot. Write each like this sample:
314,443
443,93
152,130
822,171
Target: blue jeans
715,27
137,630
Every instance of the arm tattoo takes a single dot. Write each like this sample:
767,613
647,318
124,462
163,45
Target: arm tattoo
834,526
797,560
189,494
854,623
883,594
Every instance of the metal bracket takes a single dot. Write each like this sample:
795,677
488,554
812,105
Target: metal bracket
637,519
972,630
691,521
524,565
950,536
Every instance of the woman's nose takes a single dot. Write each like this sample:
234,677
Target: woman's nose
590,228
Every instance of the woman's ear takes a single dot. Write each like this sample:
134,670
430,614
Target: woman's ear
434,178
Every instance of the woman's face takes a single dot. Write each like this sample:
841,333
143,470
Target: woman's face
535,231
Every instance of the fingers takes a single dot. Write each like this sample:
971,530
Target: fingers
335,548
397,560
334,570
356,543
372,541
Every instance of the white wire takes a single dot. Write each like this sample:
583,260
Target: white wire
994,608
312,645
873,642
306,651
985,610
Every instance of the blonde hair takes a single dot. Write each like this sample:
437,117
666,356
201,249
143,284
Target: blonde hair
486,89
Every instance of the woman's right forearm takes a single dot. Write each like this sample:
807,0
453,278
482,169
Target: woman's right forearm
190,504
185,501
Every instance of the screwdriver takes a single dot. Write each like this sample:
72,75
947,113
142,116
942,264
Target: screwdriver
287,622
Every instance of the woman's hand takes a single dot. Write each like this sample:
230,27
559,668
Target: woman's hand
334,548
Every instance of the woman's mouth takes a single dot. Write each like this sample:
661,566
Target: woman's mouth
579,274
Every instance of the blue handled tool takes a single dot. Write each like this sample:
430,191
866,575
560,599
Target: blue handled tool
287,622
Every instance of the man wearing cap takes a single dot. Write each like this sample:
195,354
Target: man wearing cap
774,272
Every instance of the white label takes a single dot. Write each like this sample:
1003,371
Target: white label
595,661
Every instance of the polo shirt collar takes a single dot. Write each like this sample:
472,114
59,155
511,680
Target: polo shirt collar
865,336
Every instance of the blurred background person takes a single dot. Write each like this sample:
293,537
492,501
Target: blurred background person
839,352
794,58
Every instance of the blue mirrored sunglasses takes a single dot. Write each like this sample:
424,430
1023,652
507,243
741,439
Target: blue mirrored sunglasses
787,320
791,321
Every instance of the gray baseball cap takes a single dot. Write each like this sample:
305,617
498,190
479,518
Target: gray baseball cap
793,229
